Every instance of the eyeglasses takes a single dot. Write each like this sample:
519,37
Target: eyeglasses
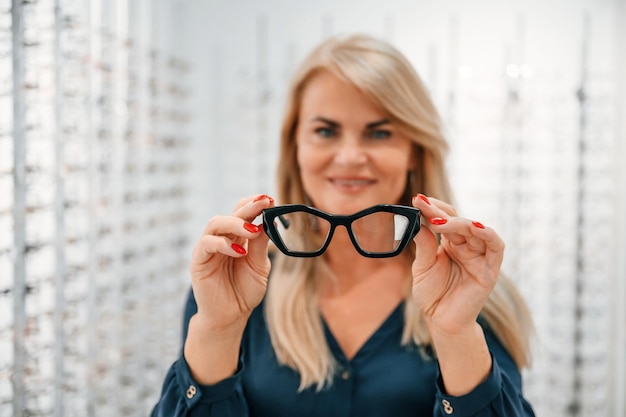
379,231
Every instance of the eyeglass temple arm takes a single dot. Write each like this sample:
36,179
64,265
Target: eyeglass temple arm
284,221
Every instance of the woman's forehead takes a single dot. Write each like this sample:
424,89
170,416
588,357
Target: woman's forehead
328,97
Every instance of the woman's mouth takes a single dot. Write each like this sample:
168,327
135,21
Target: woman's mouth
351,184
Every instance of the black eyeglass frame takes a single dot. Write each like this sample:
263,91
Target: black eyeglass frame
271,214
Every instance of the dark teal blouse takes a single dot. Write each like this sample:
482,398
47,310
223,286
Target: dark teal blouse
384,379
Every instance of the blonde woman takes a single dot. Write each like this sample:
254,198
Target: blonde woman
364,314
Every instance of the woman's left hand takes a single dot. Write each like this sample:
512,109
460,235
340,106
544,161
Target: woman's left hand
453,279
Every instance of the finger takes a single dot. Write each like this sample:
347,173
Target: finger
248,211
232,226
425,250
445,207
253,207
252,199
494,245
258,248
454,229
475,245
483,241
210,245
438,213
432,207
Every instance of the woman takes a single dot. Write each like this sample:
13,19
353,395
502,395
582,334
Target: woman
434,331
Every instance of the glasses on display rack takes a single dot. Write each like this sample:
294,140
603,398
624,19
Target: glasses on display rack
380,231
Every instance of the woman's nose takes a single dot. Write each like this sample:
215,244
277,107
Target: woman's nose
350,151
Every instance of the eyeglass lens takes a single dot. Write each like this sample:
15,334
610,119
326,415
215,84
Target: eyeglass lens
379,232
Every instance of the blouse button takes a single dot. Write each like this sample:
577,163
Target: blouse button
191,391
345,375
447,407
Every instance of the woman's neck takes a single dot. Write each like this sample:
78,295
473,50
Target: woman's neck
347,270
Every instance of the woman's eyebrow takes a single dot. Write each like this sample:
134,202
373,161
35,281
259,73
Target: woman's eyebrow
332,123
378,123
329,122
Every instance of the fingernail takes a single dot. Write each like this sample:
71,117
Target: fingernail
438,221
478,224
252,228
238,248
263,196
424,198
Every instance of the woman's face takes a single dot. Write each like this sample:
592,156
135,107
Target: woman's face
350,155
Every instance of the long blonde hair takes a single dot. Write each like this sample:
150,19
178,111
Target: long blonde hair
386,77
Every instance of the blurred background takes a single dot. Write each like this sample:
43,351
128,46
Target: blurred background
126,125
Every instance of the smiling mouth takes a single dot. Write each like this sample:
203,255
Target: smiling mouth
352,182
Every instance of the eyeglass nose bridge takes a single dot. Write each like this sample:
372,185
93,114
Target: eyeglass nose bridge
346,222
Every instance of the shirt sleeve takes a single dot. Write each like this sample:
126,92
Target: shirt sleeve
499,395
182,396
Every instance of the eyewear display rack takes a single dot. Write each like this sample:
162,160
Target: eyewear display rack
533,150
93,207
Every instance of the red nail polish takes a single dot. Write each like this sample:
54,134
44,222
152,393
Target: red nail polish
238,248
259,198
478,224
437,221
252,228
424,198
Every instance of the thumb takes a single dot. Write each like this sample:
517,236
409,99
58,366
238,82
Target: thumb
426,246
257,249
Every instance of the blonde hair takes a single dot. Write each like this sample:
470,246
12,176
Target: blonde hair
386,77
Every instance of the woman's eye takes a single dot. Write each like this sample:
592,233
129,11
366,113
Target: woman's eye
379,134
325,132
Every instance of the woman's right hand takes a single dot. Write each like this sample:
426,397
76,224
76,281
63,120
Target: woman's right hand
230,265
